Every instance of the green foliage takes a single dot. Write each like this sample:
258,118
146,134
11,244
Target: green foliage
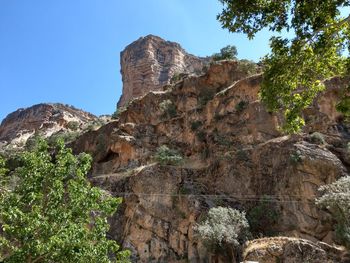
166,156
242,105
120,110
295,157
202,136
242,155
262,218
336,199
64,136
53,214
32,141
226,53
223,226
317,138
295,71
168,109
205,95
73,125
3,169
195,125
177,77
248,67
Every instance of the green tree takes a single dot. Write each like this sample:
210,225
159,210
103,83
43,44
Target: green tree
52,213
297,67
229,52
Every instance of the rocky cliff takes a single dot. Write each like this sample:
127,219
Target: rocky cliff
45,119
234,156
150,62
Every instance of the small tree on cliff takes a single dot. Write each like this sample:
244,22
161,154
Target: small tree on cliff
297,67
52,213
336,199
229,52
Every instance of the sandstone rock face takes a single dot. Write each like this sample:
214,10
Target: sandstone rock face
234,155
47,119
150,62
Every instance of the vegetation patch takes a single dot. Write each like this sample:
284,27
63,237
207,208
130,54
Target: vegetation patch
73,125
262,218
336,199
166,156
241,106
223,225
317,138
295,157
168,109
226,53
205,96
195,125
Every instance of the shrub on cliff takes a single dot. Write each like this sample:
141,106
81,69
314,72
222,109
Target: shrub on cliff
52,213
166,156
336,199
223,225
168,109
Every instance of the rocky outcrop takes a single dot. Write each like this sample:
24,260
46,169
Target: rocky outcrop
150,62
292,250
234,155
45,119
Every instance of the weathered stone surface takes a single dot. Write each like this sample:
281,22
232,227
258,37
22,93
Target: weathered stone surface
150,62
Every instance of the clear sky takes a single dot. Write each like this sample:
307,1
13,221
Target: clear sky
68,50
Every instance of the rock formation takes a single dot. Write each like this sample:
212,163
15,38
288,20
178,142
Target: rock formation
292,250
150,62
234,155
46,119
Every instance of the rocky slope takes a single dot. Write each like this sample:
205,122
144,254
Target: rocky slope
45,119
150,62
234,155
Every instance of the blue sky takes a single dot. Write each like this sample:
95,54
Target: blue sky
68,50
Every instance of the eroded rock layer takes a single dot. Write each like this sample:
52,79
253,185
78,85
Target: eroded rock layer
150,62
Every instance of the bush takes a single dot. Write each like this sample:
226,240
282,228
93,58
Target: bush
118,111
52,213
195,125
336,199
223,225
226,53
248,67
262,217
317,138
67,137
73,125
166,156
168,109
177,77
242,105
295,157
205,96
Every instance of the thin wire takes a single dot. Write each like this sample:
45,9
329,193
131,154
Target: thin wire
253,198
